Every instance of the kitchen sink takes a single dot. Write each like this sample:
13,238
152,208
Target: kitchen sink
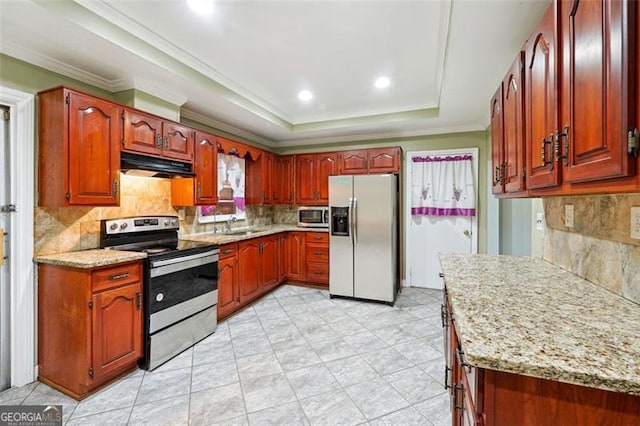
242,231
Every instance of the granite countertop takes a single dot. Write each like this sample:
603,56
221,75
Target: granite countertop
258,231
527,316
90,258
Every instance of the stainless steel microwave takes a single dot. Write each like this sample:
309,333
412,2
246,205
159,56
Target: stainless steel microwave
313,217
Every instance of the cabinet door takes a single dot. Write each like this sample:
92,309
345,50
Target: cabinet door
267,178
353,162
94,153
595,88
228,292
513,130
327,166
384,160
177,141
142,133
249,275
497,142
269,261
540,103
295,261
117,328
283,180
206,168
305,179
282,257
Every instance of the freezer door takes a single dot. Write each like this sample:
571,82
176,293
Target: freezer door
375,257
340,247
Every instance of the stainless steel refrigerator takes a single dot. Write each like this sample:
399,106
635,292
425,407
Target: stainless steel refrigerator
363,226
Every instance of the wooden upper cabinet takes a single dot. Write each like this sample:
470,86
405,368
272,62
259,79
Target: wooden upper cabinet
384,160
371,161
353,162
142,133
284,180
203,188
259,185
79,151
147,134
327,165
513,128
305,179
497,142
540,103
178,141
596,88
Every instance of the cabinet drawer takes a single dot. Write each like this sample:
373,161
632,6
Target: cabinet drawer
317,272
116,276
317,237
317,253
228,250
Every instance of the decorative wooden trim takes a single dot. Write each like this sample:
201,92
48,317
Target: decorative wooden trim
228,146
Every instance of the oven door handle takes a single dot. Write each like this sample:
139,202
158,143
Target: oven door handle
182,265
157,263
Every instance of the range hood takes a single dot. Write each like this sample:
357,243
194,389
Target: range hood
142,165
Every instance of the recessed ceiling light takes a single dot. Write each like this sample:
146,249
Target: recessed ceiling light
201,7
382,82
305,95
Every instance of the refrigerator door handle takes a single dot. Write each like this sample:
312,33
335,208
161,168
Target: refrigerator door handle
355,221
350,213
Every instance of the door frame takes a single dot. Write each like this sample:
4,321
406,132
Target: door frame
22,278
474,152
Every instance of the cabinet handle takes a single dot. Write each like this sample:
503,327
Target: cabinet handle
543,151
317,272
138,301
496,174
317,238
166,142
291,196
446,377
463,362
457,388
563,135
115,187
159,141
198,190
118,276
317,252
227,251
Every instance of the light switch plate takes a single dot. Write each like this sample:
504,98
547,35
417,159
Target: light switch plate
568,215
540,221
635,223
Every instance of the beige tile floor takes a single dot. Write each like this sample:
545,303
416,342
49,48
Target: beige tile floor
295,357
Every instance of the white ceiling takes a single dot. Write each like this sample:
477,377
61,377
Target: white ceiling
241,67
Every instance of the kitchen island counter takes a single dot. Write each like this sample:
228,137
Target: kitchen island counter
527,316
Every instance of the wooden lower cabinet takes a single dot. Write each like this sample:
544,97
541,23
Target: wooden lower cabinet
89,325
317,258
487,397
228,291
294,252
269,260
249,268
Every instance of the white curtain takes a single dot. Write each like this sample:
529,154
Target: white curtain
443,186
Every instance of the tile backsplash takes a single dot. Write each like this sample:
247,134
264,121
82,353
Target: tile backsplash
78,228
598,247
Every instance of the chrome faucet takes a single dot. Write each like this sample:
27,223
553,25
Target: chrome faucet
231,220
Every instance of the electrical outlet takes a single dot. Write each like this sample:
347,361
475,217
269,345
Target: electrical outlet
568,215
181,214
635,223
540,221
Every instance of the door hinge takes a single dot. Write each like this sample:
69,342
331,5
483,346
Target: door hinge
67,99
91,372
632,143
9,208
90,304
6,115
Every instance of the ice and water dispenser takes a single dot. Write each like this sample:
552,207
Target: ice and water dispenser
340,221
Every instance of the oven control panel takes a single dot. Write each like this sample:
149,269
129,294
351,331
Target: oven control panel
141,224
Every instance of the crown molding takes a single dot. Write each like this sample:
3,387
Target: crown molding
203,119
149,88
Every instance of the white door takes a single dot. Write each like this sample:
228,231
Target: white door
427,236
5,295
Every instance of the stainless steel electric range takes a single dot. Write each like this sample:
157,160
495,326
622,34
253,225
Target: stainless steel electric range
180,284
